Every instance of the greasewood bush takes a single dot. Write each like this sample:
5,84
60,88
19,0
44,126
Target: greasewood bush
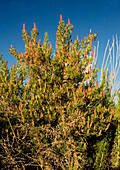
53,112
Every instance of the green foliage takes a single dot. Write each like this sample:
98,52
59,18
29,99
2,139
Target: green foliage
115,154
53,114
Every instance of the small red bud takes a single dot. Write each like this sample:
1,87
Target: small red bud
92,80
63,116
77,37
88,131
107,126
97,84
93,53
39,42
73,124
6,64
101,92
21,111
34,25
90,71
60,17
41,115
23,26
95,112
21,53
112,110
111,116
108,109
68,21
90,42
88,124
100,132
32,122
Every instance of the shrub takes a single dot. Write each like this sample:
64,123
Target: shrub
54,114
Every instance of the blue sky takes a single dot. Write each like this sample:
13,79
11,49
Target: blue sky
101,16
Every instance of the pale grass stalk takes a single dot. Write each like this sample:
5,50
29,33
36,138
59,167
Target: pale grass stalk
117,64
89,66
111,62
109,54
101,78
94,62
106,72
107,58
113,53
117,54
105,53
103,61
111,68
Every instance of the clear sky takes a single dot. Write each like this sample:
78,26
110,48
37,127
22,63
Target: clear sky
101,16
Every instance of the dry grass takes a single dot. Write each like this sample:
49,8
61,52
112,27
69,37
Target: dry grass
111,63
